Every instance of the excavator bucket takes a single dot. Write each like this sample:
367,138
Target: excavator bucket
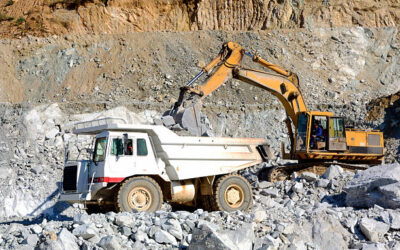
188,118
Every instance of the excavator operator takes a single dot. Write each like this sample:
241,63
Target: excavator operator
317,134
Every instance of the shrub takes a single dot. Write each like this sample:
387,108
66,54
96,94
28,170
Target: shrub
5,18
9,3
20,20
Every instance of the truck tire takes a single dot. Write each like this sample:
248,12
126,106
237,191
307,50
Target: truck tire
232,192
139,194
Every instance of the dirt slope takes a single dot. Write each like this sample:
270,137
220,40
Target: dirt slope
47,17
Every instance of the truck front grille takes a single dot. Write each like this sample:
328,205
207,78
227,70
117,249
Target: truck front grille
69,180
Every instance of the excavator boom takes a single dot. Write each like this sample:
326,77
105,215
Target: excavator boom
227,65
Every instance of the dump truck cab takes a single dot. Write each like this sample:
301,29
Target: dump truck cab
116,156
120,154
321,135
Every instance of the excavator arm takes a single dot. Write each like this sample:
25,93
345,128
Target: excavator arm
227,65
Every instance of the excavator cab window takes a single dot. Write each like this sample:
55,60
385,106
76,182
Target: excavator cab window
337,136
301,138
319,131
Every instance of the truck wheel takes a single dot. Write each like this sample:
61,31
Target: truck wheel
139,194
232,192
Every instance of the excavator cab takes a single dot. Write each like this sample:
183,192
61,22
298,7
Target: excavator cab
320,131
321,135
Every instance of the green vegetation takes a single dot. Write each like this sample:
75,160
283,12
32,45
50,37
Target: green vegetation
20,20
9,3
5,18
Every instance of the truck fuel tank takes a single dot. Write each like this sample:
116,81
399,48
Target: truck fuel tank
182,191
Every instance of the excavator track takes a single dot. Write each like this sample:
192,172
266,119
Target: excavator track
281,173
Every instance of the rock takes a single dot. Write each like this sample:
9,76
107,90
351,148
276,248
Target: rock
157,121
309,176
373,230
378,185
51,134
124,220
36,169
273,192
373,246
85,231
36,229
110,243
332,172
67,240
268,202
328,233
168,120
259,215
298,187
4,172
125,231
140,236
162,236
322,231
81,219
323,183
265,184
208,237
394,217
31,240
139,246
174,228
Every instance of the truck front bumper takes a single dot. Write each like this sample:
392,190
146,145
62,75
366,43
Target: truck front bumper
75,197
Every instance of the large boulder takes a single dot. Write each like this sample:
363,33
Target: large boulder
208,236
377,185
332,172
322,231
373,229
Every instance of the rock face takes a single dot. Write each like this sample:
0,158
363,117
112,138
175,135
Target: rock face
121,16
379,185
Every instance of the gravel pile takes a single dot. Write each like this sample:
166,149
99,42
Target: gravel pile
296,214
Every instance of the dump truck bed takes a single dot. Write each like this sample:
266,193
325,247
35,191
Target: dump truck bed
188,157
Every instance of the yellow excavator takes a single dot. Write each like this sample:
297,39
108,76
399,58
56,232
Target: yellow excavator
317,139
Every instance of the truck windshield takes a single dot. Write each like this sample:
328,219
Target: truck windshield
100,149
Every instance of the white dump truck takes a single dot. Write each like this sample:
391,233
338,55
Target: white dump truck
138,167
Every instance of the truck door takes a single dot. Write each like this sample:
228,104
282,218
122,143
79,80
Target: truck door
121,159
337,138
143,161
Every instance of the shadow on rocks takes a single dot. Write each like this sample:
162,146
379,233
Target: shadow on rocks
336,200
53,212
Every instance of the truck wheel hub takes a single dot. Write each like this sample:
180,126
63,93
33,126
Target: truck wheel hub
139,199
234,196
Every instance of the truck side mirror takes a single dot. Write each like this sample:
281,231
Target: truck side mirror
89,151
